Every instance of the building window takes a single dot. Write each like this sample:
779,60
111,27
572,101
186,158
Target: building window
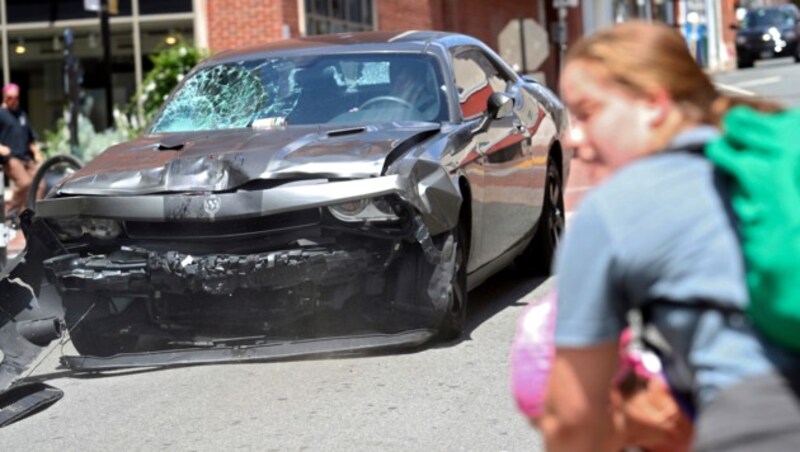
337,16
21,11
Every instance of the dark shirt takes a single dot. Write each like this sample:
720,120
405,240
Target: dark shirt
15,132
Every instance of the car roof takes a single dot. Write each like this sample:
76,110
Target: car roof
375,41
784,7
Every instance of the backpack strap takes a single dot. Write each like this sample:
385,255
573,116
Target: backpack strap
691,148
676,367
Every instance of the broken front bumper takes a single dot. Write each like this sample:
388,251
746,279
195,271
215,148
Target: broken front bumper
198,300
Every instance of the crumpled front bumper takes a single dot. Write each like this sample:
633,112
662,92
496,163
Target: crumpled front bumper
141,271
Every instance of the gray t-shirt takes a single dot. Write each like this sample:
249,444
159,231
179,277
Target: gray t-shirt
659,229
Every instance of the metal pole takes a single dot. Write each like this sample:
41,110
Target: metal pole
3,232
522,50
137,61
562,38
106,38
4,22
71,82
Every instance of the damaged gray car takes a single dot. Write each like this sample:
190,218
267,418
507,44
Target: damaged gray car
327,194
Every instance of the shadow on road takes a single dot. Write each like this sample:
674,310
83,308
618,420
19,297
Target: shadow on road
499,292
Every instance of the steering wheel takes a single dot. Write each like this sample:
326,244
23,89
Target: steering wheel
395,99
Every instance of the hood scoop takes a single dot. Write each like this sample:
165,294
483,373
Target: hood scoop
167,144
347,131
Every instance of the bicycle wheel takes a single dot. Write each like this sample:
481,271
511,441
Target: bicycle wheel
52,170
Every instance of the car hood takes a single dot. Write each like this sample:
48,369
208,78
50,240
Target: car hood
225,160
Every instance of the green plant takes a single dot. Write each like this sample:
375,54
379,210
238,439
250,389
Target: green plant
90,143
170,65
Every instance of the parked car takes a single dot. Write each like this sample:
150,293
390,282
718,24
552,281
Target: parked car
768,32
322,194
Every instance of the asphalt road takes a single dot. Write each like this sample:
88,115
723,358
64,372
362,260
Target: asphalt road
448,397
773,79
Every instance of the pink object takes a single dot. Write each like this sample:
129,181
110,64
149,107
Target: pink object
532,353
633,358
10,87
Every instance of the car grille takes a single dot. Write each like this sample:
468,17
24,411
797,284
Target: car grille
179,230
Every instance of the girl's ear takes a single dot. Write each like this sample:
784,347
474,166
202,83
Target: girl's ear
659,104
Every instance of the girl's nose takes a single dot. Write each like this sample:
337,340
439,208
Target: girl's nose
576,139
575,136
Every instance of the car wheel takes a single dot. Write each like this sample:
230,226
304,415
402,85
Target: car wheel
537,258
87,318
453,321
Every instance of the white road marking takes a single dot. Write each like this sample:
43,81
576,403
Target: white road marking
734,89
759,82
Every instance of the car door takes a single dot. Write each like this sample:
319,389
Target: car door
506,174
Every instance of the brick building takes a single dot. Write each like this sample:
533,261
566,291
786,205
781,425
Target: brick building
233,23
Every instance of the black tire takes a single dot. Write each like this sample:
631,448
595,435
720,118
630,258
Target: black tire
63,160
86,317
454,318
537,259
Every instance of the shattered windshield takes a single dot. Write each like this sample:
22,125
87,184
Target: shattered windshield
348,89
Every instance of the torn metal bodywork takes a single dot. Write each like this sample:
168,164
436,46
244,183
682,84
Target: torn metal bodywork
206,270
246,225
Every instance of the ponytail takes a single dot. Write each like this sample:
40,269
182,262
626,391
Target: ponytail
724,102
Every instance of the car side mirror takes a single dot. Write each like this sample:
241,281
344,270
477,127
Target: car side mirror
499,105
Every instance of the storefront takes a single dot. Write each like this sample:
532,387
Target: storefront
33,50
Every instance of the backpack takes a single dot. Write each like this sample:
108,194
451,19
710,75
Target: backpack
760,155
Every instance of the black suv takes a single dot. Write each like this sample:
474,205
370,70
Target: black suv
767,33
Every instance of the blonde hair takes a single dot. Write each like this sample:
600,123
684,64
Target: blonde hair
642,56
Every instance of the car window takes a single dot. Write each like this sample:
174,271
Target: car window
331,89
760,18
476,79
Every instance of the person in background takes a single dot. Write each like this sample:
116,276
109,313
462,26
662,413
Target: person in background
16,134
656,236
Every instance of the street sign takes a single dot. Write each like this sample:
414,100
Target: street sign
523,43
94,5
565,3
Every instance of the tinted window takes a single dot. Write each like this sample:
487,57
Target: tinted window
760,18
476,79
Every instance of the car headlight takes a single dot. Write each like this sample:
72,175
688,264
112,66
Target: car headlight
372,209
75,228
766,37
